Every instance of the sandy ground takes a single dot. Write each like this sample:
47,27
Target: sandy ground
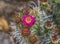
5,38
5,9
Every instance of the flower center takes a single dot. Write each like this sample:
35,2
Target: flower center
44,0
28,19
54,37
48,23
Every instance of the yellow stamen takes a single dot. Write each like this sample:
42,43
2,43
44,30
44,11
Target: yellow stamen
44,3
28,19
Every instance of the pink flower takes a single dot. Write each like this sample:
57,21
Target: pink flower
28,20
